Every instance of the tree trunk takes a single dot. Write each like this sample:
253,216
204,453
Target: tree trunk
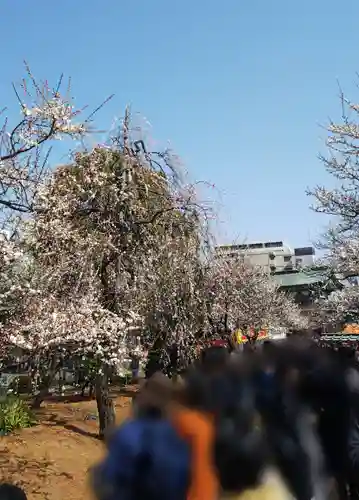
105,407
89,384
39,398
45,382
84,387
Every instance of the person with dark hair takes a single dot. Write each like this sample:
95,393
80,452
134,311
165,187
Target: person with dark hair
146,456
265,385
347,359
291,436
193,419
218,418
214,358
240,451
241,454
324,390
11,492
212,391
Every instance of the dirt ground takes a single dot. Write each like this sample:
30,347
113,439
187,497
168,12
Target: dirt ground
51,460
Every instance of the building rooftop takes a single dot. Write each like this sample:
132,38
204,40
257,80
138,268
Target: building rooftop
252,246
301,278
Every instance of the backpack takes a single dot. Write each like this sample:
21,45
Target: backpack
142,486
146,459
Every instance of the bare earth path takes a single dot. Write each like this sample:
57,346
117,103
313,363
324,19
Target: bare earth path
51,461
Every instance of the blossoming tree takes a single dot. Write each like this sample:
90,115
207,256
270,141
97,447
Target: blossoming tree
341,306
341,241
47,115
15,286
175,314
240,296
103,231
112,242
341,162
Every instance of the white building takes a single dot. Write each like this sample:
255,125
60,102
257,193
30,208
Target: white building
273,256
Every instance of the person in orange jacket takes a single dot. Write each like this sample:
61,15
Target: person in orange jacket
198,430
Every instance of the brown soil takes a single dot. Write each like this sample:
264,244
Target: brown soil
51,460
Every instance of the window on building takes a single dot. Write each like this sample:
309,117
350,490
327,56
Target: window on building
273,244
298,262
287,258
255,245
303,251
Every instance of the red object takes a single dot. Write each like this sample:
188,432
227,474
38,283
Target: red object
219,343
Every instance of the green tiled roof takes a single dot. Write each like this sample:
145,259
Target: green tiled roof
300,279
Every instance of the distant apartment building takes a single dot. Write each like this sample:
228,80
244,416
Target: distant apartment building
294,271
273,256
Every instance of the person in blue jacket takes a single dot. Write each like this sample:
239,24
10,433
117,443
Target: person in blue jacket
146,457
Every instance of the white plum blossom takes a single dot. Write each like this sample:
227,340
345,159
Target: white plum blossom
174,297
342,164
344,256
112,231
56,116
81,327
341,306
46,116
242,296
15,281
341,203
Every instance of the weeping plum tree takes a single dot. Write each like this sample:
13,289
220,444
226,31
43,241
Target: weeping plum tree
89,237
47,115
101,229
34,316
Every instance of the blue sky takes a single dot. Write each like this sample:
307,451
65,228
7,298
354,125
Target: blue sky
238,87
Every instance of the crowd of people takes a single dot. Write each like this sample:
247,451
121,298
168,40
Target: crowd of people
279,423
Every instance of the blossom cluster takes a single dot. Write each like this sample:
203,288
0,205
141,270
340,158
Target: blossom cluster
341,203
83,328
245,296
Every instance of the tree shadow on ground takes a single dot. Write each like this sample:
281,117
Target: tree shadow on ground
129,391
55,421
68,398
82,432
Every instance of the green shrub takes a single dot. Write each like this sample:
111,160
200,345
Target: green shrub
14,414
